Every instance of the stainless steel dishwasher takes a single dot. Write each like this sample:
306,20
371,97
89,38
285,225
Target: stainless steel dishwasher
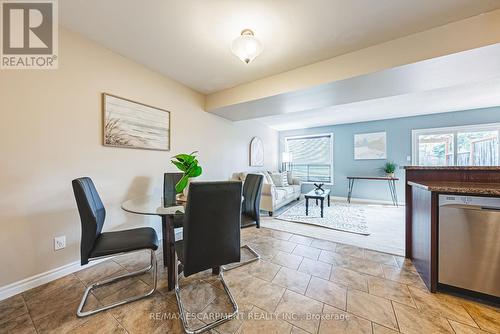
469,243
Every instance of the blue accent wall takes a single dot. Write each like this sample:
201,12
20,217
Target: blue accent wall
398,147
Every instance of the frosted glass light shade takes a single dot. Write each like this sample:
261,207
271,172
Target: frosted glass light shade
247,46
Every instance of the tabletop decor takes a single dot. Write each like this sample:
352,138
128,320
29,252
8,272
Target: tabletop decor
188,164
256,152
319,188
131,124
370,146
389,168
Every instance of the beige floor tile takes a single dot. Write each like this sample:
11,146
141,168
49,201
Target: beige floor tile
327,292
307,252
487,317
259,322
379,329
300,311
302,240
412,321
58,300
351,278
263,269
404,275
297,330
336,259
221,306
315,268
100,324
149,315
12,308
460,328
64,319
464,329
379,257
42,291
262,294
371,307
266,252
238,280
350,251
18,325
365,267
281,235
442,305
135,287
324,244
390,290
336,321
291,261
282,245
291,279
196,297
99,272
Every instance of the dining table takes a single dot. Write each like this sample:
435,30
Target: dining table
169,212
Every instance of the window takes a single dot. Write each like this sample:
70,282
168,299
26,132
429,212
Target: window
474,145
312,157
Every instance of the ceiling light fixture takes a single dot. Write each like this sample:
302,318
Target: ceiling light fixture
246,46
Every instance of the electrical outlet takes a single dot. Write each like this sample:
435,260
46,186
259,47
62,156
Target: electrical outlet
408,158
59,242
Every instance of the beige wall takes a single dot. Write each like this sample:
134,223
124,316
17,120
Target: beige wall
454,37
50,133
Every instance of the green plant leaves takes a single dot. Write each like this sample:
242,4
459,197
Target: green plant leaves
188,164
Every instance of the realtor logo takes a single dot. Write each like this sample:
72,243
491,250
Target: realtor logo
29,34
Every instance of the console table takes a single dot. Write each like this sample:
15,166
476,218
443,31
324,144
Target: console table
390,180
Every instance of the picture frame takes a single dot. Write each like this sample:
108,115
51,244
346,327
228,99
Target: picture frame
131,124
370,146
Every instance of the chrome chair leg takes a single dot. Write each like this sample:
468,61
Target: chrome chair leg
213,324
152,266
242,263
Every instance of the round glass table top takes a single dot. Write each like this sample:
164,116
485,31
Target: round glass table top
152,205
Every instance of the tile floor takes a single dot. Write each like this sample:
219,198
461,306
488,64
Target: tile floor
301,285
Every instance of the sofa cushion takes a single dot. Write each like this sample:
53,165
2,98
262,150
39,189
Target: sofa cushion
277,179
281,194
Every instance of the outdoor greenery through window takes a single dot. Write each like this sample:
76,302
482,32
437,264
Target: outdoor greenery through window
312,157
475,145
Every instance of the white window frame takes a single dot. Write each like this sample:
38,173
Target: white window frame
453,130
331,155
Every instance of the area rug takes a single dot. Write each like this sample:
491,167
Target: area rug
338,216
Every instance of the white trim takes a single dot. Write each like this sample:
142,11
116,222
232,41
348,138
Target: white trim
366,200
12,289
450,129
332,147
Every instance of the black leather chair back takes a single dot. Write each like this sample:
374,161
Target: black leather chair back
169,182
211,235
252,189
92,214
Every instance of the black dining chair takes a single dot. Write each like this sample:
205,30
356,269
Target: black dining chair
211,238
169,194
250,212
96,244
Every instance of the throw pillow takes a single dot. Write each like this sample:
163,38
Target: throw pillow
284,178
277,179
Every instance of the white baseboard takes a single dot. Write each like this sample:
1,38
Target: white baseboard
40,279
364,200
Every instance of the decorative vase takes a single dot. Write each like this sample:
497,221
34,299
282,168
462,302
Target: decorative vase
389,174
182,197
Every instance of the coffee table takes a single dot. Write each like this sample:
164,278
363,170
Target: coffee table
317,196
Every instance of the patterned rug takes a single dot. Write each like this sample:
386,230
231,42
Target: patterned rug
339,216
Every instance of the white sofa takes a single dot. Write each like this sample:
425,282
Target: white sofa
273,196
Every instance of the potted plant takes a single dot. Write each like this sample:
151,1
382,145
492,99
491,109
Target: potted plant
188,164
389,168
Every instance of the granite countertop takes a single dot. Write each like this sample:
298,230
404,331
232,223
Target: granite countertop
492,189
490,168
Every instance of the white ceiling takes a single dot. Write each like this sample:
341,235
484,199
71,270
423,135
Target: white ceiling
463,97
189,40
